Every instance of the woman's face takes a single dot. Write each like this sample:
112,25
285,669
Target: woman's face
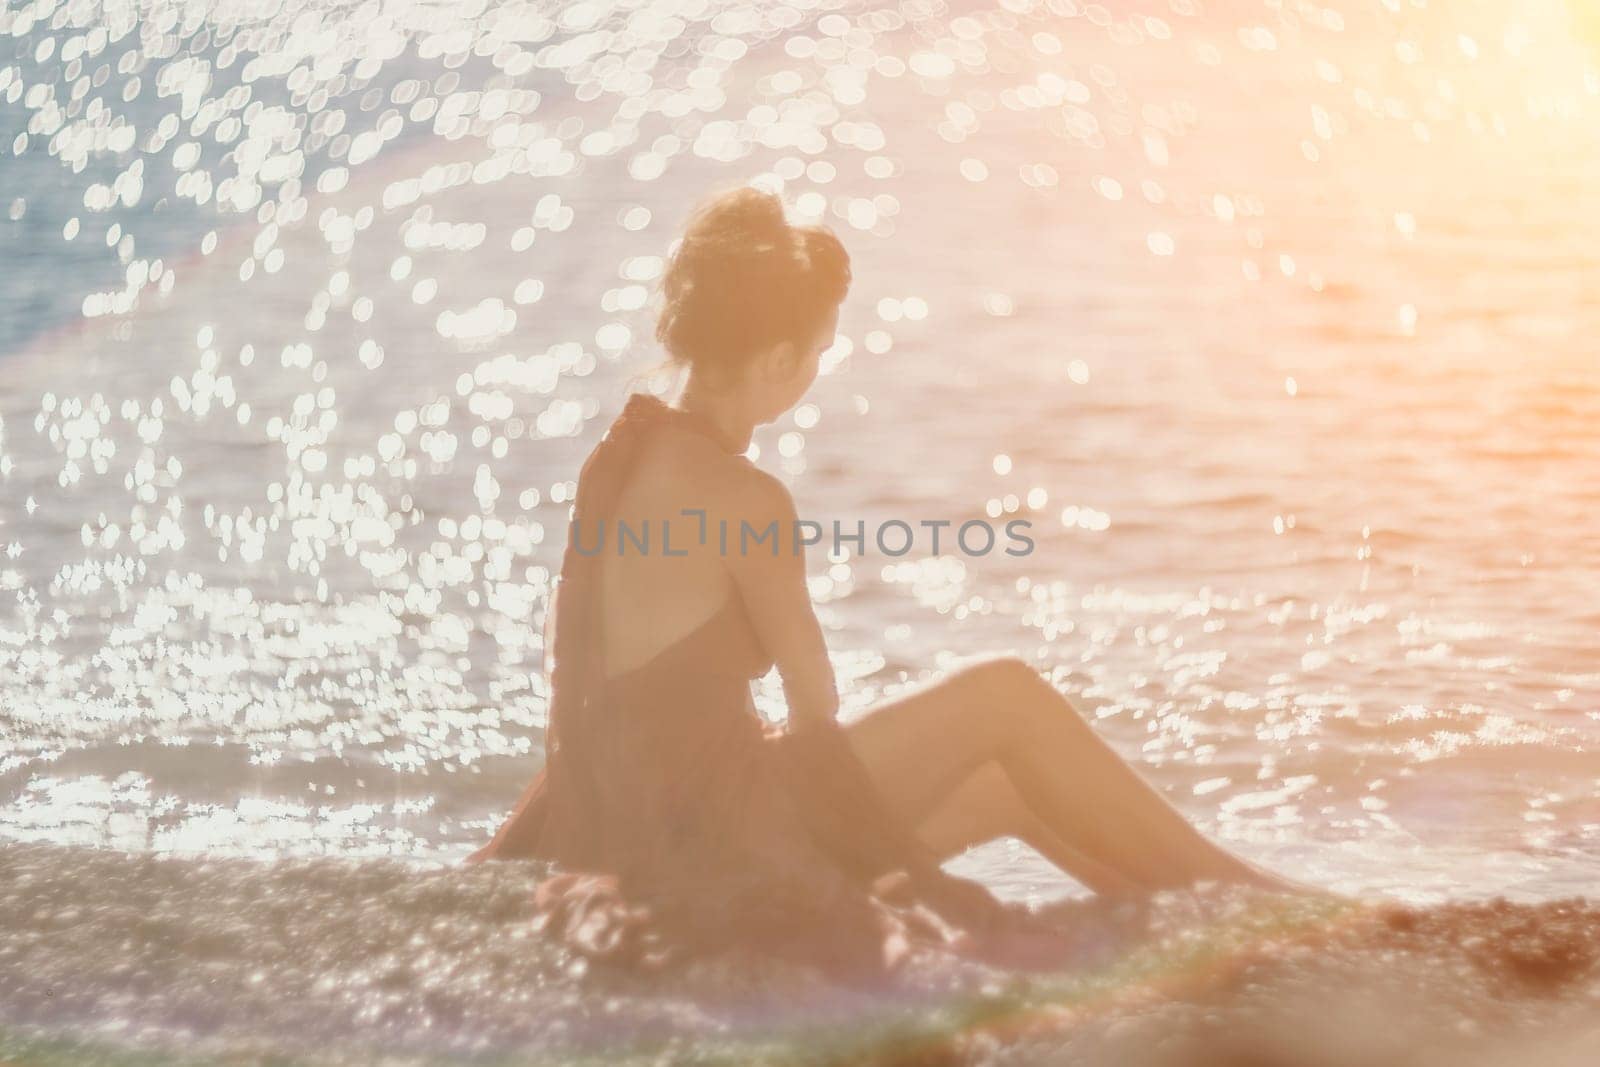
792,367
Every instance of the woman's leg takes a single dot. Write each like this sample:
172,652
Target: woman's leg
986,806
922,747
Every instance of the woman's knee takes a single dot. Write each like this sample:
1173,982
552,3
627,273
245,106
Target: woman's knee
1004,690
1010,676
1019,696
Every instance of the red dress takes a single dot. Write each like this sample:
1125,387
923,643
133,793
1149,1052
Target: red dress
679,824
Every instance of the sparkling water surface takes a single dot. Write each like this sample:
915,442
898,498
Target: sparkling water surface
1276,321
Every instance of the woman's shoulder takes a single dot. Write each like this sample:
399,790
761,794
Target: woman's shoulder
730,483
761,493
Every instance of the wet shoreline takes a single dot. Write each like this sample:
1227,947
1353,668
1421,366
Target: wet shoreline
328,961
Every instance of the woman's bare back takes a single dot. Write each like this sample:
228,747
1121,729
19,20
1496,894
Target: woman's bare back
668,576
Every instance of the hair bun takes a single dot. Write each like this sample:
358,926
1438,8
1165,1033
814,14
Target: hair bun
743,279
742,217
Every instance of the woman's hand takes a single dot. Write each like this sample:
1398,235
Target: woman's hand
965,903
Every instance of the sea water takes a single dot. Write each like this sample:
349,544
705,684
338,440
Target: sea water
1276,323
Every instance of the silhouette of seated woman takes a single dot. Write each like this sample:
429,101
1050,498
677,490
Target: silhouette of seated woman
678,823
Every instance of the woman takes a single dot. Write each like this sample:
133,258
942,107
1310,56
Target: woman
681,823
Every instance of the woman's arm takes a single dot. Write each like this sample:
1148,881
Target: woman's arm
770,575
773,586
